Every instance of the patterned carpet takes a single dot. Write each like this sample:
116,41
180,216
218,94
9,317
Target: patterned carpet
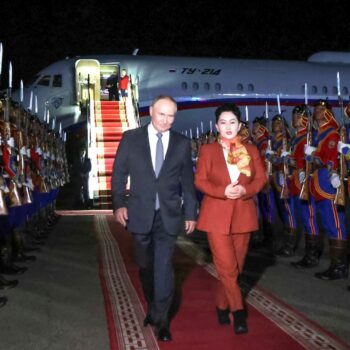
272,323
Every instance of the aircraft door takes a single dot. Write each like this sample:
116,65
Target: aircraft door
87,73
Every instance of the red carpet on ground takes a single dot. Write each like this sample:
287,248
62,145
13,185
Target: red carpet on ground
194,325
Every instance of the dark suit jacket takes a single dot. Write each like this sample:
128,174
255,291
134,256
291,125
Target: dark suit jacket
174,184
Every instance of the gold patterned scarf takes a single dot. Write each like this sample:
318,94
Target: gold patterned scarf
237,154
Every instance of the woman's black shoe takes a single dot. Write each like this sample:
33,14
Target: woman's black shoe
223,316
240,322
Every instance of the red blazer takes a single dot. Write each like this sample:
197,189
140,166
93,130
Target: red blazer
217,213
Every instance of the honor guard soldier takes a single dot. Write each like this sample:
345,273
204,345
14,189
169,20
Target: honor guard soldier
344,148
244,133
280,184
266,201
299,187
323,187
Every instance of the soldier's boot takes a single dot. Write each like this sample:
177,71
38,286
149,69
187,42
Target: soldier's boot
18,253
288,246
7,267
255,241
33,229
268,239
312,253
6,284
338,268
3,301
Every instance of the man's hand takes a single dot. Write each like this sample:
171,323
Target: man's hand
121,216
189,226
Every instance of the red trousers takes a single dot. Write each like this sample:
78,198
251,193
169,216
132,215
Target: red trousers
229,252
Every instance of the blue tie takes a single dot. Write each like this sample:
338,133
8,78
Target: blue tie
159,161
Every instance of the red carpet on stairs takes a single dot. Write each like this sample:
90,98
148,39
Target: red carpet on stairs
111,122
272,324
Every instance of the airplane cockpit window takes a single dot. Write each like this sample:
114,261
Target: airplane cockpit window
57,80
45,80
33,80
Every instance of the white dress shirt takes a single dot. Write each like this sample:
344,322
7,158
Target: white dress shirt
232,168
153,139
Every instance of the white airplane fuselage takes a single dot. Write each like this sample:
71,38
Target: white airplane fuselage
199,85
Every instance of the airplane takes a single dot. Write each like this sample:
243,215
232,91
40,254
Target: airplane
74,92
198,85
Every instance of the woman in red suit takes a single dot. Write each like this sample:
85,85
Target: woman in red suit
230,174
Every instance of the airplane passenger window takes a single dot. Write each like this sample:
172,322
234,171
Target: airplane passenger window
57,80
314,89
206,86
217,87
250,87
45,80
184,85
335,90
195,86
325,89
240,87
345,90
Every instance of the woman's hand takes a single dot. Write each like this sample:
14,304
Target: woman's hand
238,191
235,191
229,190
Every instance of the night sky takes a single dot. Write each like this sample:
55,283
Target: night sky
35,36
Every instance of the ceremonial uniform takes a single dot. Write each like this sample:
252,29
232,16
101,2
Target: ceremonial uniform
305,208
280,185
323,187
266,203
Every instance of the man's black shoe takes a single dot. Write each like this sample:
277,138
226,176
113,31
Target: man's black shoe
148,321
163,334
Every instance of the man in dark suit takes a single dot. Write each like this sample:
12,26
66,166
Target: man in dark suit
161,197
84,170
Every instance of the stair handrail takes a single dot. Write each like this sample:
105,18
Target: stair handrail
132,107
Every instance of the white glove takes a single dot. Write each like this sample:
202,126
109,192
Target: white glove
343,148
302,176
11,142
28,152
280,178
269,154
308,150
39,151
29,184
23,151
285,154
335,180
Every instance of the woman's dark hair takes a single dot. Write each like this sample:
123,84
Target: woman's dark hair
228,107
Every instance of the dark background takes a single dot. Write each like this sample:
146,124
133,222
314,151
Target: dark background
35,35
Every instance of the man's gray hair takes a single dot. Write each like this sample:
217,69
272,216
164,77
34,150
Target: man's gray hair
163,97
